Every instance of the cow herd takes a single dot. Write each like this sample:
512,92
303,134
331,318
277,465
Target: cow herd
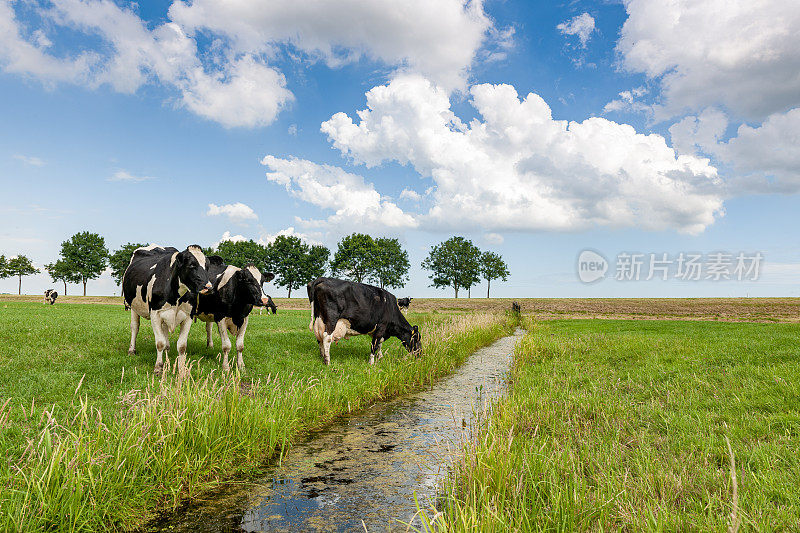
171,288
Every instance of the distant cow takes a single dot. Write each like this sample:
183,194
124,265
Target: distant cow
341,309
235,292
403,303
270,305
160,284
50,296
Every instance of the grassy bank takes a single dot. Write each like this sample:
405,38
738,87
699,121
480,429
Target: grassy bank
624,425
92,446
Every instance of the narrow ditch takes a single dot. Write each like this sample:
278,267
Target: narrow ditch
362,471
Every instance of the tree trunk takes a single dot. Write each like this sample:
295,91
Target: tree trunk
65,287
290,291
456,288
488,286
469,292
84,287
20,284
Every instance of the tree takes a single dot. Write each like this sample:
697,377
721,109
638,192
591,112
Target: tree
355,257
453,263
86,256
492,267
20,266
61,271
243,253
390,263
119,260
3,267
294,262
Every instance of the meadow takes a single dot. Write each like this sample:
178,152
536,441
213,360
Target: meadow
93,441
638,425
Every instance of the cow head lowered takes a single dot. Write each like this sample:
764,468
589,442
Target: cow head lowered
250,286
191,267
412,340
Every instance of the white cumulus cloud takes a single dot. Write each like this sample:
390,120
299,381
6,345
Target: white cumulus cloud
517,168
237,212
738,53
581,26
355,203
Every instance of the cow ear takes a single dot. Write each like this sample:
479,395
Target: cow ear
268,276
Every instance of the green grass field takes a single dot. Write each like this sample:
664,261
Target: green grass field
93,441
622,425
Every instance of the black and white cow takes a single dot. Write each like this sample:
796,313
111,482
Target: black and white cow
403,303
235,292
270,306
161,284
341,309
50,296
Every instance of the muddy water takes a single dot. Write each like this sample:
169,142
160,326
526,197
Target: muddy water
364,468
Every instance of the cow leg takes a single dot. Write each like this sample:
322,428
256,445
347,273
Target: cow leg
240,346
377,343
209,338
162,342
165,330
183,339
135,320
226,343
326,348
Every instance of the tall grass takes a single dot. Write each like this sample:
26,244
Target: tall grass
637,426
178,436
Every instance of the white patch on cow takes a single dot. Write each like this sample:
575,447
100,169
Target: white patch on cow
227,275
198,254
154,266
254,271
148,248
140,306
150,288
173,258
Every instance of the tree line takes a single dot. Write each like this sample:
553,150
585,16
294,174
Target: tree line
359,257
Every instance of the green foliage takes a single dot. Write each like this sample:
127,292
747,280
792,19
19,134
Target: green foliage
104,446
492,267
85,255
355,257
20,266
294,262
390,263
61,271
119,260
616,425
3,267
453,263
242,253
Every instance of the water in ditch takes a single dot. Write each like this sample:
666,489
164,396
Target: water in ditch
363,471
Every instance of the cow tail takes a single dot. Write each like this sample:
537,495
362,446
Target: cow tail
311,324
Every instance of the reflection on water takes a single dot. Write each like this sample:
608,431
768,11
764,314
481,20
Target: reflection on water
364,468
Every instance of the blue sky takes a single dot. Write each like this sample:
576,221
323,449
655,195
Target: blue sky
537,129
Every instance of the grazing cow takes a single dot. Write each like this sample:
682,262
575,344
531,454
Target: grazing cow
50,296
235,292
270,305
161,284
403,303
341,309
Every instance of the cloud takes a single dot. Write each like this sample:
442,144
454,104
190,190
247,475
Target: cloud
230,80
269,238
228,237
33,161
742,55
408,194
239,213
764,159
355,203
493,238
123,175
439,38
627,101
582,26
518,169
